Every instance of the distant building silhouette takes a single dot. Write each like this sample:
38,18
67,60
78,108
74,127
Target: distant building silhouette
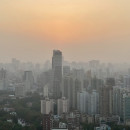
57,73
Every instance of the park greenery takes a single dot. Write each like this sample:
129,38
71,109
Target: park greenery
30,114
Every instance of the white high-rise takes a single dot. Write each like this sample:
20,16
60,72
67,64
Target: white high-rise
82,101
62,106
47,106
94,102
88,102
46,91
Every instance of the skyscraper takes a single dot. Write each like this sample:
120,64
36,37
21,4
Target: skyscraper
28,80
94,102
69,91
3,79
88,102
118,93
82,101
106,101
57,73
126,108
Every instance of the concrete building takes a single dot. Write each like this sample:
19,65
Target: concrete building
88,102
118,93
20,90
47,106
15,64
66,71
83,101
94,109
62,106
28,80
126,108
3,79
57,73
69,90
126,81
94,66
78,76
106,101
46,91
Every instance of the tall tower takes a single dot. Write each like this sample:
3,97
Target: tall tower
57,73
106,101
3,79
126,108
28,80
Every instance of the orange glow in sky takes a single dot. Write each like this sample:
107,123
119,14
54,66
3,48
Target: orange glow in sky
65,22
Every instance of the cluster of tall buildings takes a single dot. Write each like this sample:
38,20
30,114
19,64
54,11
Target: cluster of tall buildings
98,91
93,88
50,106
26,85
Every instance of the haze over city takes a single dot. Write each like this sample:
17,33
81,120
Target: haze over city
83,30
64,64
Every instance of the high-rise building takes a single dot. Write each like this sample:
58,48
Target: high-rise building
20,90
94,63
28,80
78,75
66,70
82,101
110,81
57,73
2,74
77,88
62,106
94,103
106,101
68,91
47,106
3,79
88,102
46,91
94,66
126,81
118,93
106,98
15,64
126,108
45,78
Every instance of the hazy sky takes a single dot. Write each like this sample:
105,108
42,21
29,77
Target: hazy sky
82,29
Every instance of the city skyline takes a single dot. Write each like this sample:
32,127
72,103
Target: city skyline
64,64
65,95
